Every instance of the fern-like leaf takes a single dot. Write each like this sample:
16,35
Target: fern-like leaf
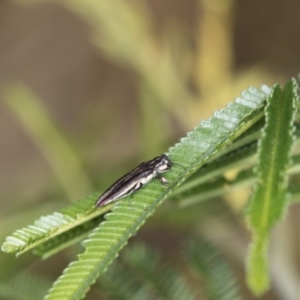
242,156
66,239
51,226
219,282
142,275
120,284
162,280
244,178
269,199
193,151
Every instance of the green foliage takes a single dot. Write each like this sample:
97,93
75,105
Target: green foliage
200,188
226,141
219,282
269,199
46,228
144,274
162,281
200,145
67,238
119,283
243,155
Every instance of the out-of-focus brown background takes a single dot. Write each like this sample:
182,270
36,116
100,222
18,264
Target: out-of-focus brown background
88,89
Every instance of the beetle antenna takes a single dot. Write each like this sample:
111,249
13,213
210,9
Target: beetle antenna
179,165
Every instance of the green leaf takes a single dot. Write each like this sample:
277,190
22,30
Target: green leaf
269,199
219,282
66,239
144,274
161,280
244,178
192,152
119,283
51,226
243,156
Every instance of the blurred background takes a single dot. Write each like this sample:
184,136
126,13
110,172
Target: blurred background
89,89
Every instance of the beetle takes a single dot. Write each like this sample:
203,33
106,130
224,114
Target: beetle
136,179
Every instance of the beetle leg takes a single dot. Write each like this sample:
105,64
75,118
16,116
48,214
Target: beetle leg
163,180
